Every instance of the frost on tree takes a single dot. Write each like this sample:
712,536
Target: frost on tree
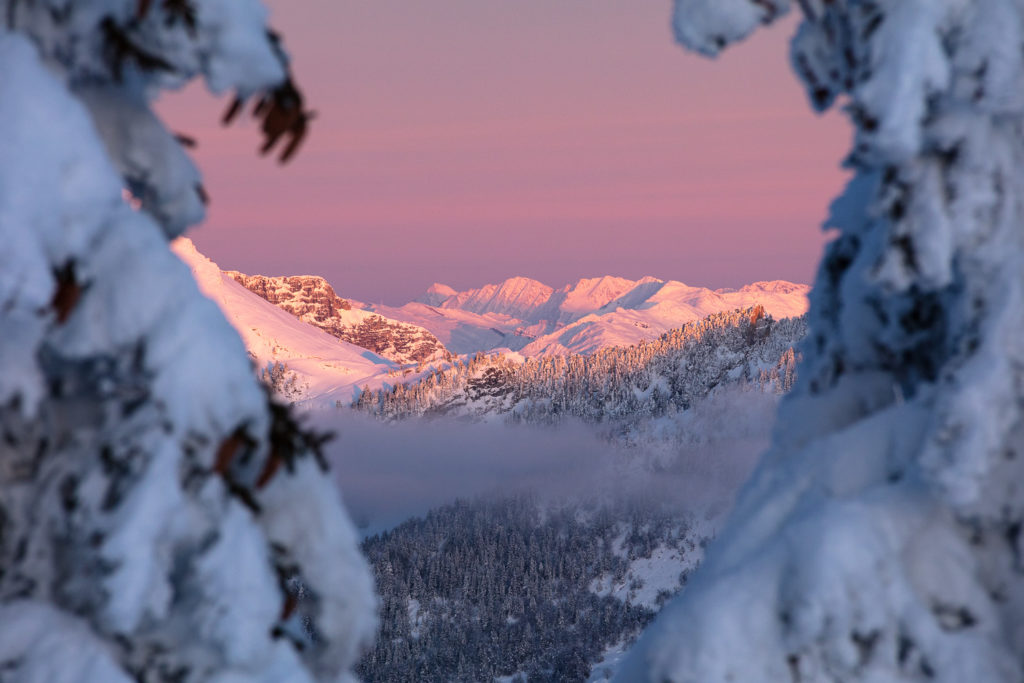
880,538
160,519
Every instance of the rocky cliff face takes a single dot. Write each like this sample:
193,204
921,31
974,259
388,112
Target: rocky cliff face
313,300
300,295
400,342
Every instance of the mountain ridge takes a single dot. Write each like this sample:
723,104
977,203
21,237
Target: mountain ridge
313,300
323,366
336,346
528,316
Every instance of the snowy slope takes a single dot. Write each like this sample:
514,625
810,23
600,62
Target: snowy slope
435,294
649,579
621,385
330,369
527,316
534,302
312,299
653,307
461,331
590,294
517,297
272,315
780,298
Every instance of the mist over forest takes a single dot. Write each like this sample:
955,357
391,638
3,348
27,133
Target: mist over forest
695,461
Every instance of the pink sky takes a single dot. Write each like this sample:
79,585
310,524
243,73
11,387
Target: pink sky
466,141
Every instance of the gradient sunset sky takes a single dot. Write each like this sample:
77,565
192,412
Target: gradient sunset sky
466,141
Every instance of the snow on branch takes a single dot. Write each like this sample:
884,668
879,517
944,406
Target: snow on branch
880,537
117,55
709,26
160,517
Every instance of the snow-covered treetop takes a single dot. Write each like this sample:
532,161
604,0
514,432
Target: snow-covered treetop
160,517
117,55
880,538
923,282
147,43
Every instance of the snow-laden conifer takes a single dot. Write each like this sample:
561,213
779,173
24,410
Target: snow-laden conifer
160,518
880,538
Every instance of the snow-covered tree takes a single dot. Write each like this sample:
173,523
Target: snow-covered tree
283,382
160,517
880,538
618,386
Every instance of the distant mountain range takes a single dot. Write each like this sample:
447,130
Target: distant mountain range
337,346
534,319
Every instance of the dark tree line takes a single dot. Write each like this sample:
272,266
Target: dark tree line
481,589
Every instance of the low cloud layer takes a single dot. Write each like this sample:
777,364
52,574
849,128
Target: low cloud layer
389,472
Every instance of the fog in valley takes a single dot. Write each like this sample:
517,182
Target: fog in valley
694,461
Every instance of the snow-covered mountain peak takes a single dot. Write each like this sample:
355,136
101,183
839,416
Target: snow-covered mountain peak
652,307
519,313
521,283
304,294
436,294
324,367
203,269
768,287
516,297
313,300
524,291
582,317
635,297
646,279
590,294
